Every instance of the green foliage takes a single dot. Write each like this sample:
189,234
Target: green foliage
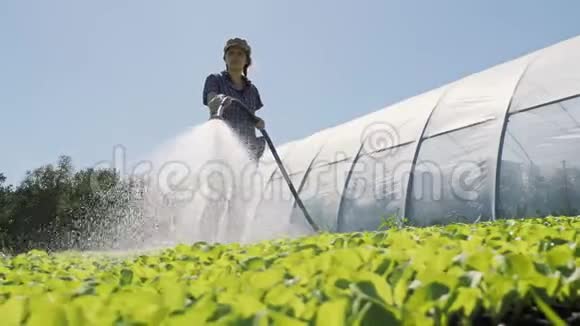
502,272
393,222
53,206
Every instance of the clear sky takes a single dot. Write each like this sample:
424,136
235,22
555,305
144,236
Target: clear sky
79,77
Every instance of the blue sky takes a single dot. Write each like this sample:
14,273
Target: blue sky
79,77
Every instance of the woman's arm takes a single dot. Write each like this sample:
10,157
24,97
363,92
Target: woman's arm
211,88
212,96
259,103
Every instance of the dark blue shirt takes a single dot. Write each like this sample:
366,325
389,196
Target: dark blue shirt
221,83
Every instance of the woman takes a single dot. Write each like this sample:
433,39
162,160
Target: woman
233,84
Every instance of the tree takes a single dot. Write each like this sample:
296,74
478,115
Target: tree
57,208
5,192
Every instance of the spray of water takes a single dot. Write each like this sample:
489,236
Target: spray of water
200,186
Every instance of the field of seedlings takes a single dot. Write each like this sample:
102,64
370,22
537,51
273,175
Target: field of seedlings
525,271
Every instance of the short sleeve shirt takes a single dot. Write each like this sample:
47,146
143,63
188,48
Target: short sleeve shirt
221,83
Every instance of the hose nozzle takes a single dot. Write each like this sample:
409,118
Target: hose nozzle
218,114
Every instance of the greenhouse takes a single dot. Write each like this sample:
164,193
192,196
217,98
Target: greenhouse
502,143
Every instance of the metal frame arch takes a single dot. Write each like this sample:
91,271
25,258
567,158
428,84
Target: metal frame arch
419,140
498,157
339,215
306,173
298,189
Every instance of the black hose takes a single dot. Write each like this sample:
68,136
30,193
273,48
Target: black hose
272,148
288,181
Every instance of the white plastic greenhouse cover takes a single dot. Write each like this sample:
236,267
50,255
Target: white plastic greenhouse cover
501,143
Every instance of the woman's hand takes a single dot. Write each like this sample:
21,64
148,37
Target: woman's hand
218,99
260,124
